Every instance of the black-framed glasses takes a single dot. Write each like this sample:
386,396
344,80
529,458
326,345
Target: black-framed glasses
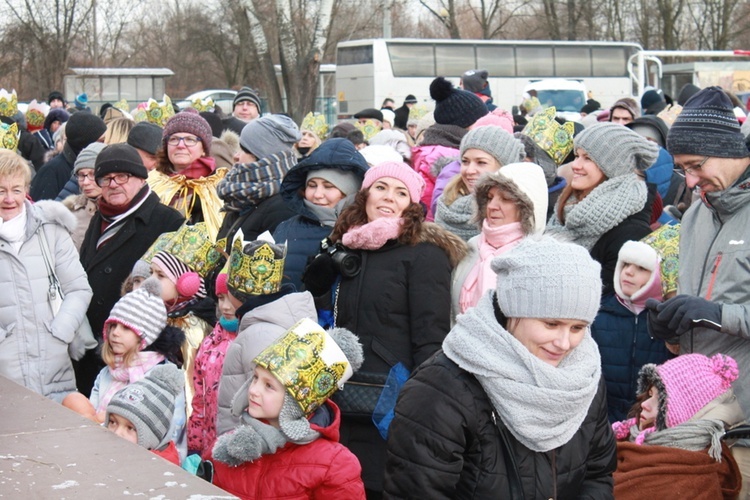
120,179
82,177
189,141
697,168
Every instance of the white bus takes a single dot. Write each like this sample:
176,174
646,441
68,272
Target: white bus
368,71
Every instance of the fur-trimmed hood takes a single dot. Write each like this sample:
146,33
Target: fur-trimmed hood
452,245
50,212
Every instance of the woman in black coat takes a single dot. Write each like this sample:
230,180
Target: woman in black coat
514,406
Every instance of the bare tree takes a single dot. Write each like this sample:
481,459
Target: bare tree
716,23
446,12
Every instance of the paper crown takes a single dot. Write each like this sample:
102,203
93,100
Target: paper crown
202,104
154,112
316,123
666,242
418,111
555,139
256,268
35,115
368,129
192,245
122,105
308,362
8,103
9,136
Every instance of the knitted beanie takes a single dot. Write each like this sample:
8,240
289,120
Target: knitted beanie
82,100
377,154
474,80
615,149
189,122
247,94
82,129
87,157
146,136
707,127
142,311
397,170
221,283
189,283
119,158
495,141
55,95
149,404
651,97
345,181
651,127
686,384
141,269
546,278
628,104
269,135
455,106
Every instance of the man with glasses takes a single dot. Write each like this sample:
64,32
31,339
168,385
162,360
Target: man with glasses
129,219
711,314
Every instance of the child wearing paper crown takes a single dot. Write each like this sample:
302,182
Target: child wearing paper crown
670,446
287,445
142,412
620,329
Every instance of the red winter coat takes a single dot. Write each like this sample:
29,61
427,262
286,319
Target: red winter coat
169,453
323,469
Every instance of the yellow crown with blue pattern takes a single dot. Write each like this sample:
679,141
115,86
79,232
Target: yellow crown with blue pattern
8,103
315,123
555,139
308,362
9,136
256,267
155,112
202,104
192,245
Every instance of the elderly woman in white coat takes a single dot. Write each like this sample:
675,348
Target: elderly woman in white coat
34,338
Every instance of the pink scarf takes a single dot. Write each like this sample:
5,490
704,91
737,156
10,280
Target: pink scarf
492,242
125,375
372,235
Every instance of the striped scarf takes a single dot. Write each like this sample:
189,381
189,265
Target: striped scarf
247,184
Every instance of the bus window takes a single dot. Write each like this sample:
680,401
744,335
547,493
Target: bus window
412,60
354,55
609,61
572,62
453,60
535,61
498,61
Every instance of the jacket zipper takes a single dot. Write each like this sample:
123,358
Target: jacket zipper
554,474
712,280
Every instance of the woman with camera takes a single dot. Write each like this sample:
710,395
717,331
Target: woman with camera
398,303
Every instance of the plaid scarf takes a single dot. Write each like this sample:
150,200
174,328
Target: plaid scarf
247,184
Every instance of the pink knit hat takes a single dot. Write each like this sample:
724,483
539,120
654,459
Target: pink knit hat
401,171
221,284
686,384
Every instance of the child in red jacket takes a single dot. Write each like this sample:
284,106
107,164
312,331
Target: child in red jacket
287,445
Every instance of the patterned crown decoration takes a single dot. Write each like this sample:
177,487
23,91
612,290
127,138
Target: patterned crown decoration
418,111
555,139
8,103
192,245
122,105
201,105
666,242
308,362
154,112
368,128
316,123
9,136
257,267
35,115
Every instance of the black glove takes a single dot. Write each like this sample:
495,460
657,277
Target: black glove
682,313
657,329
320,275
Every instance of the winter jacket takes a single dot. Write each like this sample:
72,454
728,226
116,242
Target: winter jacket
714,255
258,329
69,189
660,173
423,158
206,378
323,469
34,341
304,232
53,175
444,176
254,220
83,209
625,346
455,450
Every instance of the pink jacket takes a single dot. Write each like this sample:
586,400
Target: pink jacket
423,157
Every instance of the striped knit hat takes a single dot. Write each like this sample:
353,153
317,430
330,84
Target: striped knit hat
189,283
142,311
149,404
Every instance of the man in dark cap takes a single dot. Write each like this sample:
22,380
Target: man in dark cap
56,100
146,138
402,113
246,108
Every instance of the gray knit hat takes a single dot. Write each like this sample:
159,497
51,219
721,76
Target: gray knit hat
269,135
345,181
615,149
141,268
142,311
707,127
505,148
87,157
149,404
546,278
247,94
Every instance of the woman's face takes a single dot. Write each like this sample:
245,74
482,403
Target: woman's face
13,191
322,193
649,409
586,174
548,339
89,187
501,209
387,197
307,141
474,163
181,155
168,288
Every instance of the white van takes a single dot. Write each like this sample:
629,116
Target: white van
567,96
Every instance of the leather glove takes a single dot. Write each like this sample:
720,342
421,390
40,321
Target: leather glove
679,314
320,275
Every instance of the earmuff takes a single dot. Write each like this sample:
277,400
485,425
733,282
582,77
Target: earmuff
188,284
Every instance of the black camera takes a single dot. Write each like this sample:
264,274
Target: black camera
346,262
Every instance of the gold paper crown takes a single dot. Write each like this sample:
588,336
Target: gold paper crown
202,105
8,103
9,136
154,112
666,242
256,273
192,245
316,123
35,115
122,105
368,128
308,362
555,139
418,111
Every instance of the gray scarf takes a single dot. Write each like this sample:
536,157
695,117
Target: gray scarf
543,406
328,216
695,435
458,217
605,207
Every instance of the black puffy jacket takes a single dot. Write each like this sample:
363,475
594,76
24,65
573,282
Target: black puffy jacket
444,443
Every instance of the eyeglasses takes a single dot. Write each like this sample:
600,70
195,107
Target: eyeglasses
695,169
82,177
119,179
189,141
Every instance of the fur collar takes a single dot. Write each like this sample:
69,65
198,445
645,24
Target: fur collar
452,245
54,212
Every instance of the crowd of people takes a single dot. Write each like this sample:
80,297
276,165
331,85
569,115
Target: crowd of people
456,303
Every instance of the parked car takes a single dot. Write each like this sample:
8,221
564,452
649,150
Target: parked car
222,98
567,96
